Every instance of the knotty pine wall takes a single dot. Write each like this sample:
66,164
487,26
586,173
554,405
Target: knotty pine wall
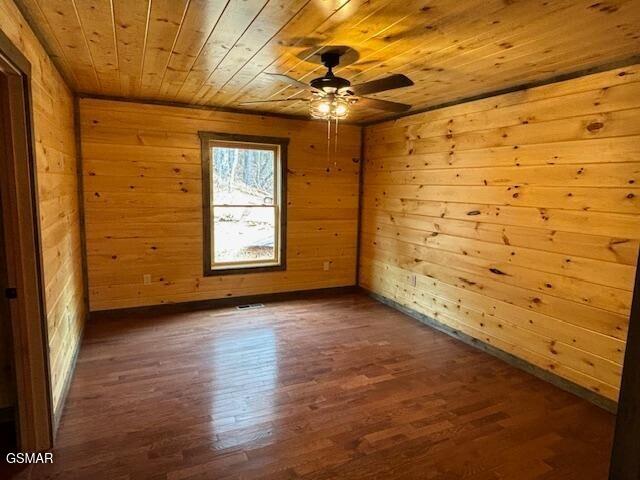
518,215
143,204
58,200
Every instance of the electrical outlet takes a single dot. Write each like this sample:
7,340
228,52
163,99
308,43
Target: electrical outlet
326,265
412,280
146,279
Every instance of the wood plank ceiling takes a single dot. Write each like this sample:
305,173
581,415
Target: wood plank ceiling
215,52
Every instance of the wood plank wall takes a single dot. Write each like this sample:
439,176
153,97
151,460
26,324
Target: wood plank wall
143,204
518,217
58,199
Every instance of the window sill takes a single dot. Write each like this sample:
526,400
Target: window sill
244,270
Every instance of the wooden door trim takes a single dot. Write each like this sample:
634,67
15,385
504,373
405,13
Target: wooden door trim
23,245
625,457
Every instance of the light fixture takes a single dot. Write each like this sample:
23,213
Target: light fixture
329,107
324,107
341,109
332,107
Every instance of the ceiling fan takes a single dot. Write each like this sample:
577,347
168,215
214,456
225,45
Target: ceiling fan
332,96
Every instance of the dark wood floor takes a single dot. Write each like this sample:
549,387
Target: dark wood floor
323,388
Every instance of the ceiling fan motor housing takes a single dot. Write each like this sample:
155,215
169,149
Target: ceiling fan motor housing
330,83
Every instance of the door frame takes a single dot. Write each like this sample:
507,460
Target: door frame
34,418
625,456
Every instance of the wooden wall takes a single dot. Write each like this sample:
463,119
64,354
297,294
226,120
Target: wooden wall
518,215
143,204
58,199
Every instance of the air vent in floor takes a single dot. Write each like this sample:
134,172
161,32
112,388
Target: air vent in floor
249,306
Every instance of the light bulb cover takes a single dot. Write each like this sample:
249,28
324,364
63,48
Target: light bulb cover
330,107
341,109
324,107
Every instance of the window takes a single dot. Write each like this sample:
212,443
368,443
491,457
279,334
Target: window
244,185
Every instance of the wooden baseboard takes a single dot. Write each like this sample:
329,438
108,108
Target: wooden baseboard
599,400
59,409
182,307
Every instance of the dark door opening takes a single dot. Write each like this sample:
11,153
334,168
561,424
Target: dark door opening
8,440
24,359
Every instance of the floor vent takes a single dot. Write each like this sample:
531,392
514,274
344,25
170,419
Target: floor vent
249,306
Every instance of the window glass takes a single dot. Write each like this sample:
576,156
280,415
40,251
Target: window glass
244,207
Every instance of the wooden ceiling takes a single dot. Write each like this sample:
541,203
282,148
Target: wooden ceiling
215,52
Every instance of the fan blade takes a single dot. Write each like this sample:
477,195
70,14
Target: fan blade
384,105
291,81
276,100
387,83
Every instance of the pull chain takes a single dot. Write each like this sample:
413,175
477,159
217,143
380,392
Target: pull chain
328,143
335,150
335,145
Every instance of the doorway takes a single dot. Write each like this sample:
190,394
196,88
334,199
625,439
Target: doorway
22,289
8,438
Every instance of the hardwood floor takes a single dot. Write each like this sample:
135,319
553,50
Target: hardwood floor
321,388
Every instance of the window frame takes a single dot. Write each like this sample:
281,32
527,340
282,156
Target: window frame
280,146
